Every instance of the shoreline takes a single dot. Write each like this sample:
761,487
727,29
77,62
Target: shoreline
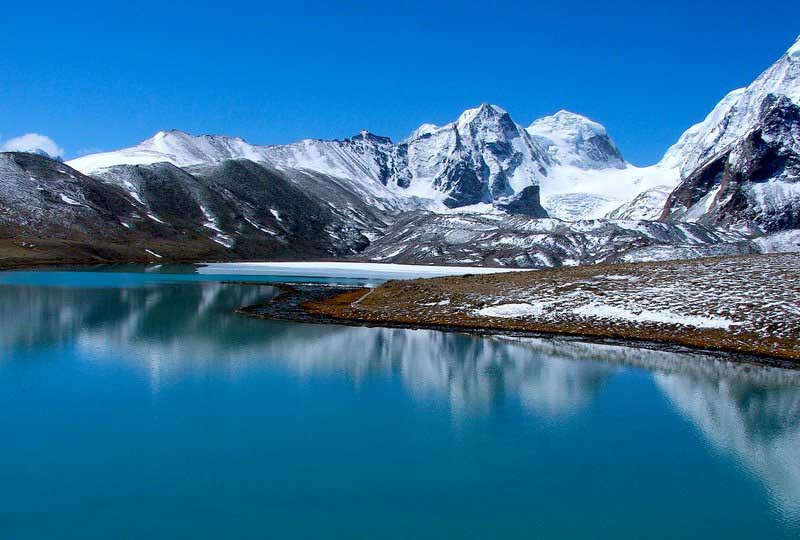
741,291
302,304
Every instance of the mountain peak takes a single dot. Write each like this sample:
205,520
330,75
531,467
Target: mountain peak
421,131
484,111
180,135
166,137
365,135
171,133
573,139
567,120
735,115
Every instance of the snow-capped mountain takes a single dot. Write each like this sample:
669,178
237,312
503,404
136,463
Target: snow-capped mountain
741,166
234,209
736,115
754,183
716,160
365,158
482,157
589,178
471,191
175,147
572,139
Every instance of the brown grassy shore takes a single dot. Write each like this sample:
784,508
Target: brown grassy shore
747,304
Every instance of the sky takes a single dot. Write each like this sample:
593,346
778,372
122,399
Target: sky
93,76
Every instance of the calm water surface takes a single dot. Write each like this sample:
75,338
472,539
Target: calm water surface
136,404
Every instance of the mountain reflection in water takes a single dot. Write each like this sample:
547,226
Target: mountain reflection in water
167,330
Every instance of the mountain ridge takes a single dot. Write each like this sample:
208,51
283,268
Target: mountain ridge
485,157
458,188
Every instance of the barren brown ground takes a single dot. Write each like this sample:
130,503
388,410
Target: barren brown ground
682,302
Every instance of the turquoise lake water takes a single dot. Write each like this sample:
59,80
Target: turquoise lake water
135,404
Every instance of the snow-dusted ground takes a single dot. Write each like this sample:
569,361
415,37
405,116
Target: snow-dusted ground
741,295
344,269
747,303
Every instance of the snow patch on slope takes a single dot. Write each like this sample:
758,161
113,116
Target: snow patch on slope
571,193
599,310
513,311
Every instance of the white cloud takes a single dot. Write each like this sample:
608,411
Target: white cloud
33,142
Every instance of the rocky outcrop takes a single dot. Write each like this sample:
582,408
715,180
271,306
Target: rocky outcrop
754,183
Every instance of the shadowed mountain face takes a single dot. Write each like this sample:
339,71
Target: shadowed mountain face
232,210
754,183
247,208
42,195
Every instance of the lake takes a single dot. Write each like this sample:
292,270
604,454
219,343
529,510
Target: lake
134,403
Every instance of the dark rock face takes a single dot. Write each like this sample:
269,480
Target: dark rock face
694,188
754,183
527,203
262,198
463,184
601,149
390,159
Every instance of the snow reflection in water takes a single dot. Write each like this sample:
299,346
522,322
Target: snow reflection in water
169,329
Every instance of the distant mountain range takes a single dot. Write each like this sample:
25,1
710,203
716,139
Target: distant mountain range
728,182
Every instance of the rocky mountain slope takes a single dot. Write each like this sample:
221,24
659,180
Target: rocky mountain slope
235,209
239,209
736,115
483,157
753,183
588,177
521,241
741,166
46,196
735,118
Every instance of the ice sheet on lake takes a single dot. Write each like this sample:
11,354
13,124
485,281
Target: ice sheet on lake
345,269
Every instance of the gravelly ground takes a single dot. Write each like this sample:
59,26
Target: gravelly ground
748,304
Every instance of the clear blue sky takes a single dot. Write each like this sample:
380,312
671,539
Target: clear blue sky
102,75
